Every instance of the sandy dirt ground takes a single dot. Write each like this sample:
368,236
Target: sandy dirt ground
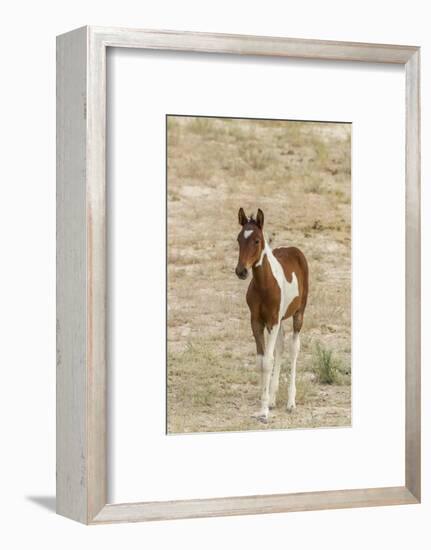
298,173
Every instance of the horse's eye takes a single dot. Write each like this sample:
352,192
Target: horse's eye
256,241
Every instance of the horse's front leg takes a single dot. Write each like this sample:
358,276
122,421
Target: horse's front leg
258,332
267,368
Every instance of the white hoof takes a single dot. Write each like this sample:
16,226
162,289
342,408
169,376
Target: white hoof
291,407
262,416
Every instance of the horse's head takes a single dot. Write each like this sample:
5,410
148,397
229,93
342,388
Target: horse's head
251,242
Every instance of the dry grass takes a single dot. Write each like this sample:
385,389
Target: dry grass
299,174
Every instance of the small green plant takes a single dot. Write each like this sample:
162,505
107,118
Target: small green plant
326,367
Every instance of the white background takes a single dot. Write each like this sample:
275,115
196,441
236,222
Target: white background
160,467
27,217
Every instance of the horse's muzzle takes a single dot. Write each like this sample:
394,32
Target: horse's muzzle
241,272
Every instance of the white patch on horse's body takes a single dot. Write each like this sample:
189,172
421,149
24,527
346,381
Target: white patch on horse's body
247,233
288,291
260,262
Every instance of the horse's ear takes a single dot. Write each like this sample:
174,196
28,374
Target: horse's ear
242,218
259,218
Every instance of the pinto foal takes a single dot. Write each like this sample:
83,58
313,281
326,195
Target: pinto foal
277,291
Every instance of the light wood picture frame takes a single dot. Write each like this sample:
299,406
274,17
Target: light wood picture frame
81,274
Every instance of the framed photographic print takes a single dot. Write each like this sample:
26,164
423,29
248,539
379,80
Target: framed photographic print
238,275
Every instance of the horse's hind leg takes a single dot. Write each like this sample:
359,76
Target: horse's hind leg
294,350
275,378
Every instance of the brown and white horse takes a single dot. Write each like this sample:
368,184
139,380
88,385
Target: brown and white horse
277,291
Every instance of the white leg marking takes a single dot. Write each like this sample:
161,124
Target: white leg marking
267,367
294,350
259,366
273,387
